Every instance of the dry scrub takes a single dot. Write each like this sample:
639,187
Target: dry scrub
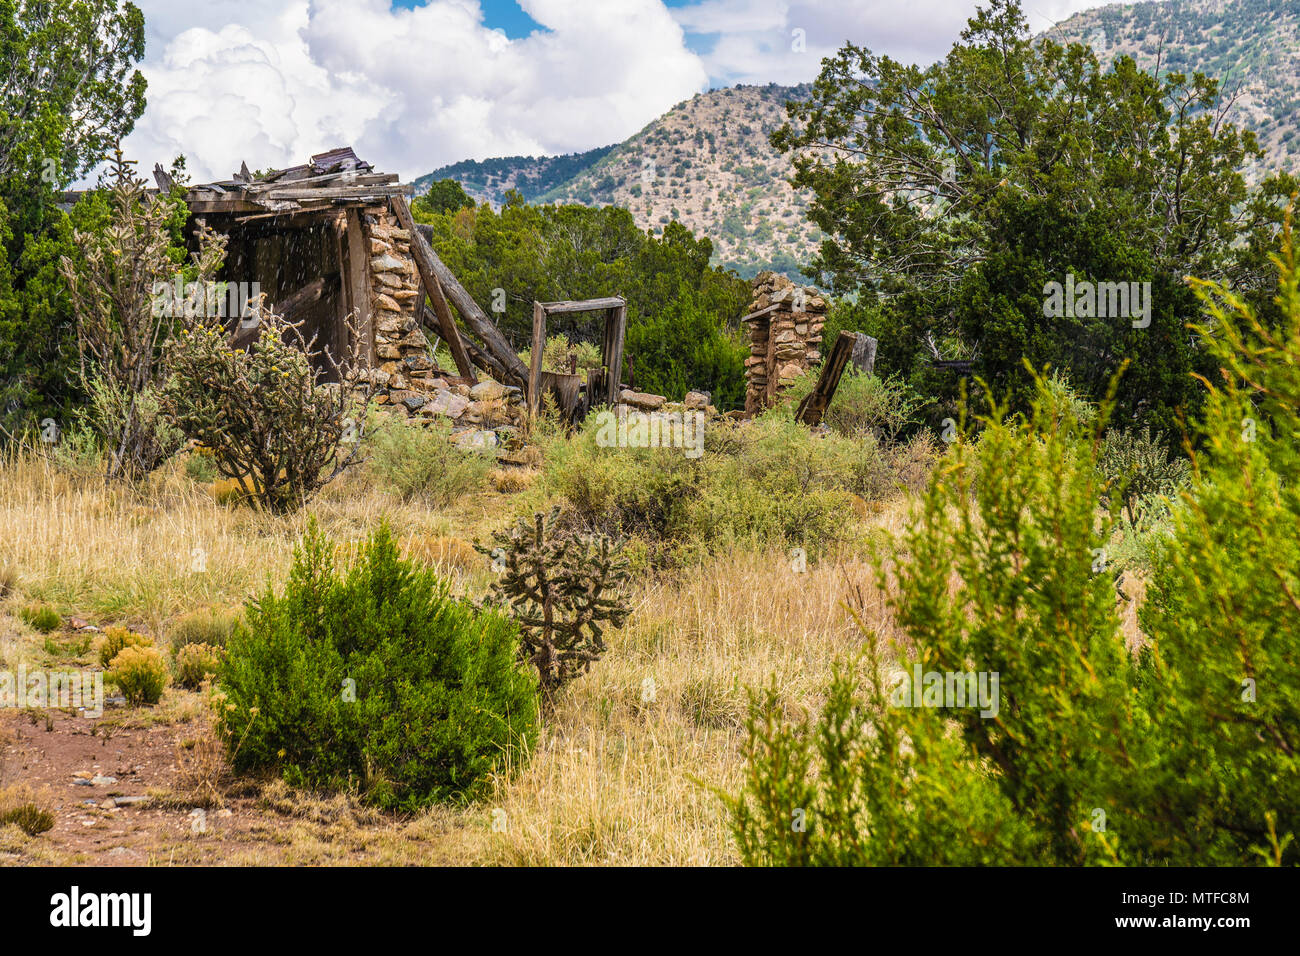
616,777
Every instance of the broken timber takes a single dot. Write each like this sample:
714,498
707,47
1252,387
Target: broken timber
424,256
494,342
813,407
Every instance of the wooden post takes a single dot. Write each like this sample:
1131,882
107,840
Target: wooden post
359,282
615,333
448,330
813,407
535,372
864,354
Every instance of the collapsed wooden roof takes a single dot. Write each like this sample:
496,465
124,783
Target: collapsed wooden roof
332,179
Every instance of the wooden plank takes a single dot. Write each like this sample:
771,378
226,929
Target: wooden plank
514,370
347,178
567,391
761,312
585,305
814,405
359,283
295,191
199,208
534,391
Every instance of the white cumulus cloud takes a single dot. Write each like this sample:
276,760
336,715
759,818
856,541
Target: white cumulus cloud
409,89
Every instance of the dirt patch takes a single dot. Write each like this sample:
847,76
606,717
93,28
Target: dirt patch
122,792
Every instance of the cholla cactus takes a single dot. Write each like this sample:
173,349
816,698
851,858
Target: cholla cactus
562,590
120,334
269,422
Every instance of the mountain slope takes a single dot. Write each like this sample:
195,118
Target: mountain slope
707,163
489,180
1253,46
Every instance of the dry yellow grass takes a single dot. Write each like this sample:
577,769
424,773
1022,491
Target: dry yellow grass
615,778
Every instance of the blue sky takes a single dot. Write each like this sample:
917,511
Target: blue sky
509,17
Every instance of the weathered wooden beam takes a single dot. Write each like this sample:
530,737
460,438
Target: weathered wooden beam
584,305
814,405
567,391
201,207
516,373
864,354
761,312
447,325
162,178
534,391
296,191
612,352
477,356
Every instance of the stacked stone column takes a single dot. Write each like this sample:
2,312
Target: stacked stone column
784,342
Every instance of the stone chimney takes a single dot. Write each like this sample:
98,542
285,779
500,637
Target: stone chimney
785,330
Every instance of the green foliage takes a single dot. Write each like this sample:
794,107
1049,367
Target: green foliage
949,195
211,627
679,309
268,421
1137,467
69,90
375,677
41,617
1181,751
997,581
140,673
419,460
768,483
559,354
121,331
19,808
444,195
1222,610
681,348
866,405
563,590
200,467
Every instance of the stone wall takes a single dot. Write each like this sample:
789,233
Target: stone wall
401,350
407,380
783,343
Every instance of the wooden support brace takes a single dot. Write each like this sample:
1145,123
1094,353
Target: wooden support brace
494,342
813,407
